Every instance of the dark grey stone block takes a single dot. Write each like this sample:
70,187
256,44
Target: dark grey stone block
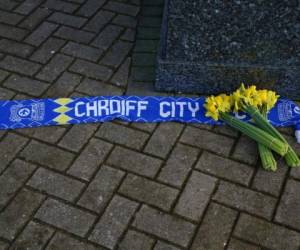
210,47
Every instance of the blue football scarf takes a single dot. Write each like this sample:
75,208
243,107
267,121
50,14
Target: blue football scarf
49,112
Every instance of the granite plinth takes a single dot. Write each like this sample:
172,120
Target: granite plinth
212,46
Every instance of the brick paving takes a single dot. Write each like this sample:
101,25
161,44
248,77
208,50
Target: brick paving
123,185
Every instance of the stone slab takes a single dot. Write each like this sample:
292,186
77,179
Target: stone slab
212,46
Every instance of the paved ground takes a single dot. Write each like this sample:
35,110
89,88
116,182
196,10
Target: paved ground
119,185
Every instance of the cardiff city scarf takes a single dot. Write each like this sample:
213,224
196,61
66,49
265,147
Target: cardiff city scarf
48,112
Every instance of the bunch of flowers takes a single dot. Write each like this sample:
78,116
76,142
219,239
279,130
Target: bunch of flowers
257,104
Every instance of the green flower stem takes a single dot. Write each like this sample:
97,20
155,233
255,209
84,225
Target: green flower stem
291,157
267,159
256,134
266,156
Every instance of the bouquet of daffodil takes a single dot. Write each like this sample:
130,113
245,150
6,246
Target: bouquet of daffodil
256,103
257,100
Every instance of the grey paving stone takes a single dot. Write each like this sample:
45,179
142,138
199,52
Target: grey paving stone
295,173
77,137
78,1
245,199
65,217
115,56
18,212
2,133
58,64
90,159
159,3
266,234
90,7
178,165
124,20
11,32
49,156
6,94
143,59
26,85
246,150
148,127
35,18
47,50
8,4
101,189
9,147
113,222
270,182
147,191
21,96
91,70
13,178
122,8
225,168
47,134
134,162
98,88
122,135
235,244
19,65
207,140
164,225
135,241
120,78
28,6
149,46
9,17
66,242
76,35
99,21
147,21
163,139
3,75
226,130
215,228
15,48
66,19
286,130
202,126
3,245
288,209
142,88
56,184
82,51
64,85
292,141
164,246
34,237
195,196
60,5
128,35
148,33
109,34
143,74
40,34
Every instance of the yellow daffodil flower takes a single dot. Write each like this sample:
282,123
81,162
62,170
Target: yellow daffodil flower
236,98
216,104
267,98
